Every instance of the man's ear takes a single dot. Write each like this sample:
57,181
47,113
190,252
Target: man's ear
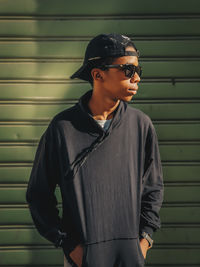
96,74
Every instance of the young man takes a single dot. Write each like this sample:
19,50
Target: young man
104,156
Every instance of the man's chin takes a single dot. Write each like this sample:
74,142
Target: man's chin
127,98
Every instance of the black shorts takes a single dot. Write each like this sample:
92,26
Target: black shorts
114,253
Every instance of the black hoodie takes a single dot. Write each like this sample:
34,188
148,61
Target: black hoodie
110,181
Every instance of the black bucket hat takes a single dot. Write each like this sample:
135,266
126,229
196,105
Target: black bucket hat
103,46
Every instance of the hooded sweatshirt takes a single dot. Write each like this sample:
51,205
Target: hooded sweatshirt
110,180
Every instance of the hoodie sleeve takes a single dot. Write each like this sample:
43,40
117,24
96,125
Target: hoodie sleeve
40,193
152,194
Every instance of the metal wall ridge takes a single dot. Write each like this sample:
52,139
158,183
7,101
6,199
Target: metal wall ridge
157,265
16,164
69,60
173,246
159,16
165,164
14,227
177,184
167,184
12,185
40,60
177,142
35,143
11,206
164,226
26,123
183,162
169,246
174,122
88,38
172,80
42,81
45,122
181,225
27,247
56,101
165,205
181,205
18,144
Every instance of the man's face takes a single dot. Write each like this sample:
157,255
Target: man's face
116,85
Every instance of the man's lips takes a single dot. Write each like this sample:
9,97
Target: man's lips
130,89
133,90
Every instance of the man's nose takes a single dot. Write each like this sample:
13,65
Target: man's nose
135,78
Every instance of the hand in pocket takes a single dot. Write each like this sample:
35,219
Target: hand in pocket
144,245
77,255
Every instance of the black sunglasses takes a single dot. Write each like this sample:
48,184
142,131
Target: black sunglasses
129,69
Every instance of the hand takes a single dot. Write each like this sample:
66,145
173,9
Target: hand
144,244
77,255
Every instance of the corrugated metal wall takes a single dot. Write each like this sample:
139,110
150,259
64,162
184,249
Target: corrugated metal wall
41,44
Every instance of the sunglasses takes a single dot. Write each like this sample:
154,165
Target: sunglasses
128,69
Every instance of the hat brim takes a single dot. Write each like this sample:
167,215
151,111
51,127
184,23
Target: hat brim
82,73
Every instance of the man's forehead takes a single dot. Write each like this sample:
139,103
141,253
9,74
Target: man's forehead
127,60
130,48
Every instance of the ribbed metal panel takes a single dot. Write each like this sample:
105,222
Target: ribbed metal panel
41,44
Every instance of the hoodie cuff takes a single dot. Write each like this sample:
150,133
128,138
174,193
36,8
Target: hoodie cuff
68,247
147,229
64,242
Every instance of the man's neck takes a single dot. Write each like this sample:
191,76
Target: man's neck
101,106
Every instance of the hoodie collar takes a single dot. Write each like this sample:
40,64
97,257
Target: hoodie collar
94,126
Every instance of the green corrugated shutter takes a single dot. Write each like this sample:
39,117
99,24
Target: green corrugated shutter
41,44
